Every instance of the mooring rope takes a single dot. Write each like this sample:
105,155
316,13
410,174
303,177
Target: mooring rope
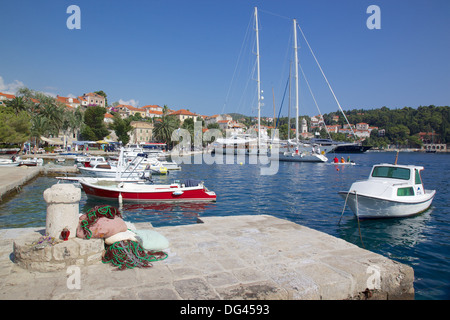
357,219
357,216
343,209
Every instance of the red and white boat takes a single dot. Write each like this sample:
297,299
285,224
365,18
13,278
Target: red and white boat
142,191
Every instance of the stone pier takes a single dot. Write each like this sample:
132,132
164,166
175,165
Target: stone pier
223,258
45,250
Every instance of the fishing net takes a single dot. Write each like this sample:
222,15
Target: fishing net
129,254
101,222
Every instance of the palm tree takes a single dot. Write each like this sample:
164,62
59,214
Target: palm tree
72,120
163,129
39,127
17,104
54,115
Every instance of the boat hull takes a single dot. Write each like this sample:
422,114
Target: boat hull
369,207
147,193
351,148
111,173
292,157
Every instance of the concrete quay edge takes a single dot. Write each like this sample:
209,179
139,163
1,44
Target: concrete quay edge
12,178
224,258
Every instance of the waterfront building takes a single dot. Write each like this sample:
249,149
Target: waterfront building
142,132
216,118
153,111
183,114
92,99
126,111
69,101
6,97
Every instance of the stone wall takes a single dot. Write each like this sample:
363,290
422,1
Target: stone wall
45,257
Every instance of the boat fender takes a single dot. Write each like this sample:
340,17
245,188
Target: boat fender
177,193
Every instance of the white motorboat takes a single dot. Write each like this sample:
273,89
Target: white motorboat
390,191
89,161
106,170
302,157
32,162
13,162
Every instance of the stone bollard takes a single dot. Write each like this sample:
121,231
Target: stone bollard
62,209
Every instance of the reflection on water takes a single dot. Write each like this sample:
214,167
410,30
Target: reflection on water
378,233
158,214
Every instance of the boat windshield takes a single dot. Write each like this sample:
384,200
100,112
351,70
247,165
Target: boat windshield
391,172
418,179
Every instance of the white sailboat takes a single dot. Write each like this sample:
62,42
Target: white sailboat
250,143
300,153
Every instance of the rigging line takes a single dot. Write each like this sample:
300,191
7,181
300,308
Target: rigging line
282,101
285,62
244,91
275,14
237,63
328,83
315,102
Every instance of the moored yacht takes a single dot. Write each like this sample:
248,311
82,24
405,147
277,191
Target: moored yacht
390,191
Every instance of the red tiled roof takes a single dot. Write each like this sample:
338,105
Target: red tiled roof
7,96
183,112
66,99
130,107
151,106
155,111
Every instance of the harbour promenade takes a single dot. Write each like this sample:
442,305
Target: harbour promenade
220,258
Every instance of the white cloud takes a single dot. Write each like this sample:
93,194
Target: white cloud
130,102
10,88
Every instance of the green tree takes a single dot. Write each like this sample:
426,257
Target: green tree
54,115
39,104
16,105
163,128
39,128
121,127
94,127
14,128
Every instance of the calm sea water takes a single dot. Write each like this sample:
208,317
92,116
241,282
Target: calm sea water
305,193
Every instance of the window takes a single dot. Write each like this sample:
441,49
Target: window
408,191
391,172
418,179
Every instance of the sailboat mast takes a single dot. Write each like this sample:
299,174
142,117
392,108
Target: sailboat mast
258,76
296,80
289,110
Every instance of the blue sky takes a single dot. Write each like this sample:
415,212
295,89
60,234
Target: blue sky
194,54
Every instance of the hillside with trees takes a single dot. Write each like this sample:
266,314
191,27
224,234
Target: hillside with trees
401,126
